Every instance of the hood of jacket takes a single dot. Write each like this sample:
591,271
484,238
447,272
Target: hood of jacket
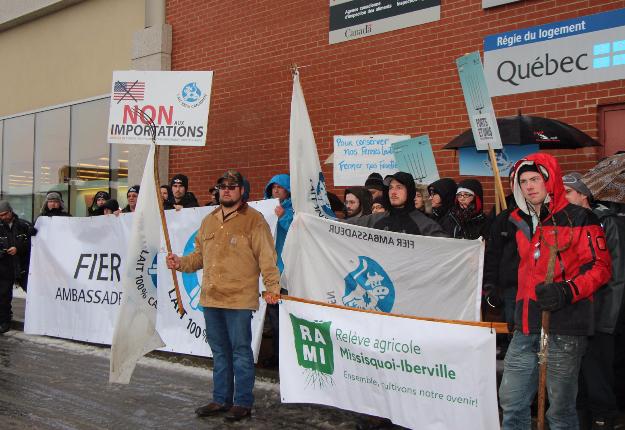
446,188
551,173
364,198
283,180
475,186
405,179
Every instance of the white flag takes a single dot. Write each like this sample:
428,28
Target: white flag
135,334
308,189
431,277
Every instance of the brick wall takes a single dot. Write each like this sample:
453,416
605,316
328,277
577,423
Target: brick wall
403,81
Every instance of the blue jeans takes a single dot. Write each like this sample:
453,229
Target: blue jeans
519,384
229,334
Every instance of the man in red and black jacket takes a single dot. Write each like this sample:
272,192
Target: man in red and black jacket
580,270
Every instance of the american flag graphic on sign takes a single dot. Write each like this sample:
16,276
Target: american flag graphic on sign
131,91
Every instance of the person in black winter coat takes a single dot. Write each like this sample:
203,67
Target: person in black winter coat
181,197
15,234
132,195
467,213
358,203
443,195
54,205
98,200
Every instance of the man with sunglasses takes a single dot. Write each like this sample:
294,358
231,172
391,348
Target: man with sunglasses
233,246
15,236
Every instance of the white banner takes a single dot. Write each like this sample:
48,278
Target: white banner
338,263
74,289
187,334
176,102
419,374
308,188
356,157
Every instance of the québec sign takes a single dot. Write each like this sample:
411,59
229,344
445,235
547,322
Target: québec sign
578,51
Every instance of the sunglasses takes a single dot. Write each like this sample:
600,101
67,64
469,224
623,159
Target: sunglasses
230,187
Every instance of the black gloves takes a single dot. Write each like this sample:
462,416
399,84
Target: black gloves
491,296
551,297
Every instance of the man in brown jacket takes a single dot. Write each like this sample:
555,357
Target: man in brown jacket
234,246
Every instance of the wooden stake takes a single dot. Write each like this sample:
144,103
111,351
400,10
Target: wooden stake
164,223
498,327
498,185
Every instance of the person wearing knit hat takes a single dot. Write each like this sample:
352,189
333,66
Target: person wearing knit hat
357,202
53,205
467,211
182,198
374,184
98,200
110,207
576,191
377,205
132,195
443,195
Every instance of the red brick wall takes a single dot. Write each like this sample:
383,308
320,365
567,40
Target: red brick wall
403,81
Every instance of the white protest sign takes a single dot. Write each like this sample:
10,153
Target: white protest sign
176,102
356,157
334,262
419,374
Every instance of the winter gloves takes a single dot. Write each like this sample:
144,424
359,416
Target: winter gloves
492,295
554,296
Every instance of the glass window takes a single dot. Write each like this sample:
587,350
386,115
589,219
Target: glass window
17,171
51,155
119,172
89,154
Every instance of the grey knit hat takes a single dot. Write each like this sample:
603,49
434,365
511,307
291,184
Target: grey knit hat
5,206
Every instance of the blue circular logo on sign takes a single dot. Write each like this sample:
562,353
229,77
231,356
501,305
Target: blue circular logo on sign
191,281
191,93
152,271
369,287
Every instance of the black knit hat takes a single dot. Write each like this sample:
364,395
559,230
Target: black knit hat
180,179
374,182
133,189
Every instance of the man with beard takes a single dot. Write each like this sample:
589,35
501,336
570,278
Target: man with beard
182,198
358,201
234,246
398,192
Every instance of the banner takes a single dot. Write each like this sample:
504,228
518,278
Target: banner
416,157
353,19
175,102
478,102
356,157
308,188
74,289
419,374
135,334
577,51
338,263
187,333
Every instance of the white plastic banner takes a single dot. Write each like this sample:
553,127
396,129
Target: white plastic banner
175,102
338,263
419,374
74,289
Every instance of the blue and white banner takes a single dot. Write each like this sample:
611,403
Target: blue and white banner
477,163
334,262
419,374
577,51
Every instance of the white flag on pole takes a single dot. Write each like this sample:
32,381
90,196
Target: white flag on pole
308,189
135,334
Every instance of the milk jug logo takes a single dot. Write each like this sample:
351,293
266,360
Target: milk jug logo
191,96
192,281
313,345
318,195
369,287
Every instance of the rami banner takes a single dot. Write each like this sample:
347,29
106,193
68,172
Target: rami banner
419,374
74,289
338,263
177,103
187,333
356,157
577,51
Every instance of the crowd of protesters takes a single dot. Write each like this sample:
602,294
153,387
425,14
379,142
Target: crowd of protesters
585,298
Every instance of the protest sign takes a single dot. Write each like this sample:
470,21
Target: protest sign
419,374
74,290
176,103
334,262
478,163
416,157
356,157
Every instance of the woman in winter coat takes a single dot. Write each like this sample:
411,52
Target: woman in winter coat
442,195
467,213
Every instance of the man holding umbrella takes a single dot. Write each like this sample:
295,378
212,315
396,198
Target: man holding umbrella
546,219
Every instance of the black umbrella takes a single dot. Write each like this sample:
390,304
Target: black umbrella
526,130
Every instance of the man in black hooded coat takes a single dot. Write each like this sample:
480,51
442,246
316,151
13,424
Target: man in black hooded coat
402,216
446,189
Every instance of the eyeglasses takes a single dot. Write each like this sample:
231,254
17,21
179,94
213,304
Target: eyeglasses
464,195
230,187
377,207
350,202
